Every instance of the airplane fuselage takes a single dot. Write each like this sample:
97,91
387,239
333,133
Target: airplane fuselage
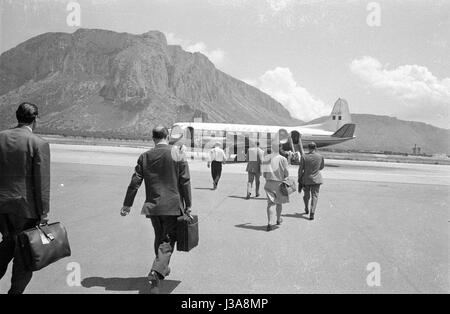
336,129
220,130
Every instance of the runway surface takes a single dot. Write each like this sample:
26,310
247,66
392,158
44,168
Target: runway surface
396,215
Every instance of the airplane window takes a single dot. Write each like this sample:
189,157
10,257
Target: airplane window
334,117
340,118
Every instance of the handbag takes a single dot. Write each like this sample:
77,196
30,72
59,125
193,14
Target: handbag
187,233
44,245
288,187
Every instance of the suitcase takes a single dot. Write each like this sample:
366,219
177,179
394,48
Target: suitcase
44,245
187,233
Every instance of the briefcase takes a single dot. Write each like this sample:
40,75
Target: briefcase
187,233
44,245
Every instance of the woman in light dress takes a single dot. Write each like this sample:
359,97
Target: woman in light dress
275,171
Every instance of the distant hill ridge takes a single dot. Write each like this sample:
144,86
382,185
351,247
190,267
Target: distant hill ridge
384,133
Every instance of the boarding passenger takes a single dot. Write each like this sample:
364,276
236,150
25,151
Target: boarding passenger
168,195
310,177
216,159
24,190
275,171
297,146
254,158
286,150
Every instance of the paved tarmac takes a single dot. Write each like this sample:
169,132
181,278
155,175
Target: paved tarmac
396,215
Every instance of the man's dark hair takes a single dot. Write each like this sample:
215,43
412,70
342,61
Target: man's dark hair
160,132
27,113
312,146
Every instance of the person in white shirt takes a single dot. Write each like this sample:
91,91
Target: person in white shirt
217,157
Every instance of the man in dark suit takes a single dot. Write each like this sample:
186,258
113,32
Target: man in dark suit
255,155
24,190
310,177
168,194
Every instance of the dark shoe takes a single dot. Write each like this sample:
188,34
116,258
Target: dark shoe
269,228
248,196
306,211
257,195
279,221
311,217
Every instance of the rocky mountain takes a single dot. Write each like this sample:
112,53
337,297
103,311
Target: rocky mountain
383,133
102,82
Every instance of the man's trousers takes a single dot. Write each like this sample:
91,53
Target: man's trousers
165,237
10,227
254,177
216,171
311,192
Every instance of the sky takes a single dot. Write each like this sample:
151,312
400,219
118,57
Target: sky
384,57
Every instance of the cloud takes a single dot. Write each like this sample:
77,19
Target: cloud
408,82
422,94
217,56
281,85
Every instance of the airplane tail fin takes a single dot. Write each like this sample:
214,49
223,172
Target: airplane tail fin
346,131
340,116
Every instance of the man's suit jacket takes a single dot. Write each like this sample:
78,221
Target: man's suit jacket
24,174
309,170
167,182
255,156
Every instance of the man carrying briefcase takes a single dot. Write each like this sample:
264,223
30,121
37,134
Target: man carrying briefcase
24,191
168,193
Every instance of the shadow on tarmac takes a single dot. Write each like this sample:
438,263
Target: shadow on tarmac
251,198
297,215
256,228
139,284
